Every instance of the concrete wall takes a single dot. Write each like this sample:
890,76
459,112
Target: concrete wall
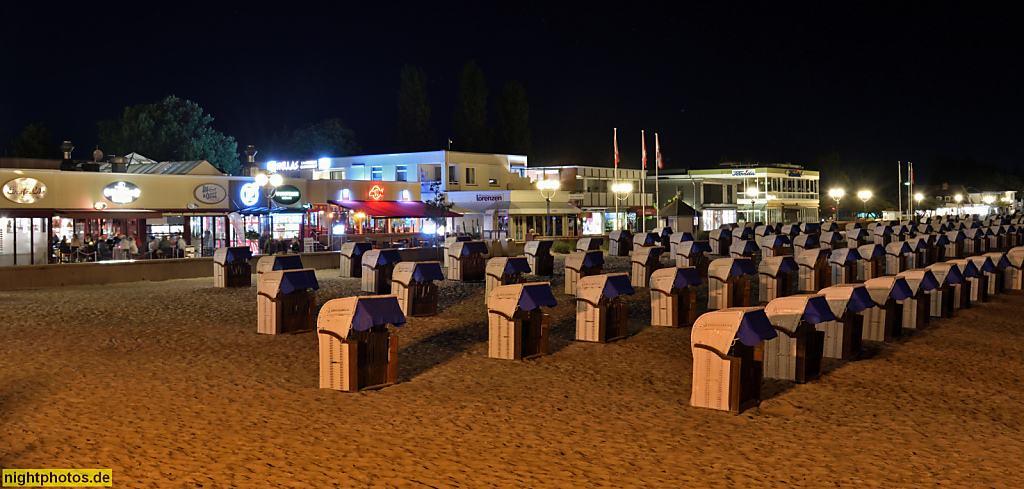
67,274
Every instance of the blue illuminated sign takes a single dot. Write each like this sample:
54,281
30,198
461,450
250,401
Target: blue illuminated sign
250,194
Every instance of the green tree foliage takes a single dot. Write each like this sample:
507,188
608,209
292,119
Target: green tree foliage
972,173
514,119
173,129
329,137
36,141
413,132
469,122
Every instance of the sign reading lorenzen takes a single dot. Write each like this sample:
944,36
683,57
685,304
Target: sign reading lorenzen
24,190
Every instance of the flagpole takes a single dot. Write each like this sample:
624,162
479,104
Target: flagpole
899,186
643,183
657,183
910,191
618,225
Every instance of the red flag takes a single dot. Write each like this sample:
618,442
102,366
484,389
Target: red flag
615,138
643,149
657,151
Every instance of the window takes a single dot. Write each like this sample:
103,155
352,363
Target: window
453,174
346,194
357,172
401,173
471,176
376,173
493,182
406,196
338,175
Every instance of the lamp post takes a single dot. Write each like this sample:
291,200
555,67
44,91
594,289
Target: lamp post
958,198
548,188
621,191
836,194
268,185
918,197
864,196
752,193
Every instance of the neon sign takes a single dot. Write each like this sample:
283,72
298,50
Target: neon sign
276,166
122,192
376,192
249,194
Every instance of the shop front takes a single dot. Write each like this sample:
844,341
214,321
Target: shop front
50,216
358,210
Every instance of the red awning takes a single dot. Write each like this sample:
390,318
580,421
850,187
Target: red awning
650,210
388,208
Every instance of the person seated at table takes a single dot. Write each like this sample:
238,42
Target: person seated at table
165,247
153,247
133,247
64,248
103,249
76,248
181,245
121,252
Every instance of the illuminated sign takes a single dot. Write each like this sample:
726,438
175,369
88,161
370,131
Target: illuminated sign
24,190
489,198
276,166
249,194
210,193
287,195
793,173
122,192
376,192
743,173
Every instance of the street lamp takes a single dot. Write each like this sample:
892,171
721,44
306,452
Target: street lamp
548,189
268,186
752,193
836,194
958,198
621,191
864,196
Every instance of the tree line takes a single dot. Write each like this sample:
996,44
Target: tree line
176,129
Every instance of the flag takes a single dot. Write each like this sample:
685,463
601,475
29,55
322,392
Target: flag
643,149
911,170
657,151
615,139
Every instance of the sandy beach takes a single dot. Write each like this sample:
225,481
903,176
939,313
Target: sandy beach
168,384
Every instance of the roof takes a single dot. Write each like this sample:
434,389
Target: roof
195,167
677,208
388,209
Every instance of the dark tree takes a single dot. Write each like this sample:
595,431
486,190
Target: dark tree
329,137
831,175
469,122
36,141
173,129
514,119
414,132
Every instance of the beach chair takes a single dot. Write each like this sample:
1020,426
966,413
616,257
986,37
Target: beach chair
955,246
896,257
795,353
414,284
1015,272
694,254
774,280
941,299
277,262
804,242
987,272
579,264
674,296
448,243
872,262
601,316
742,248
727,358
378,266
517,329
505,271
352,258
814,273
466,261
774,245
964,290
843,263
643,263
720,240
831,240
357,349
620,243
674,241
884,322
882,235
645,239
285,301
917,307
538,256
845,333
589,244
231,267
857,237
728,285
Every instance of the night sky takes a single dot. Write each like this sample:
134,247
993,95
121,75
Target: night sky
774,82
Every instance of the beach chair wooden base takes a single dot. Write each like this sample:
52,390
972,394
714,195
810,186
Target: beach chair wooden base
729,383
